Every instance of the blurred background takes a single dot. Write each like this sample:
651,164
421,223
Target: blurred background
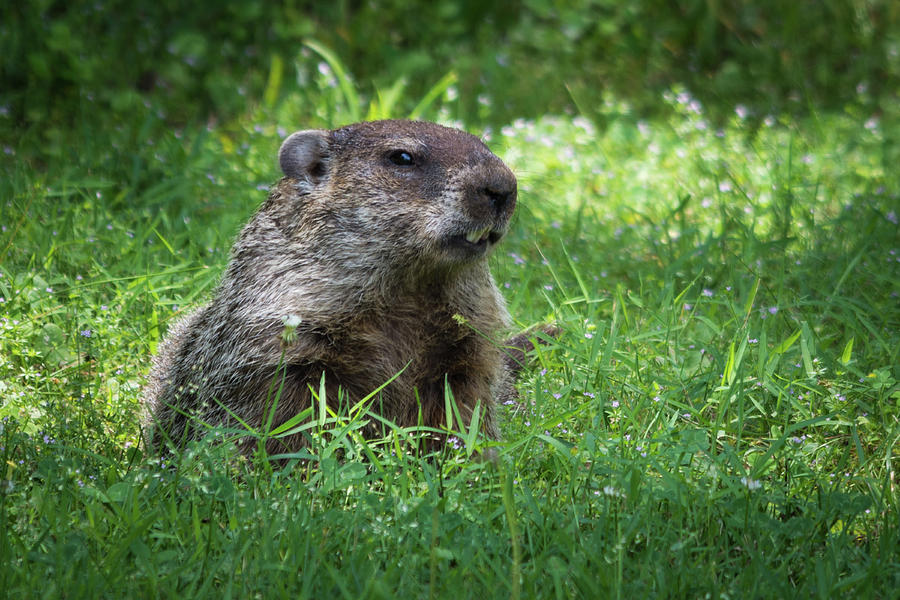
508,59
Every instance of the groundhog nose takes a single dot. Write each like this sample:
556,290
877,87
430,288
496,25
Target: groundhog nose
500,199
499,189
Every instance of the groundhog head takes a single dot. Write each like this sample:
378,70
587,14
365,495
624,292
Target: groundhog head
408,192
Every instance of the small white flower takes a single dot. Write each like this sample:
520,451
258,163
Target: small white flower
289,335
613,492
750,484
292,321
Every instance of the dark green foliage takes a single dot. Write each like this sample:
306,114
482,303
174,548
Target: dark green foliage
513,58
770,56
60,53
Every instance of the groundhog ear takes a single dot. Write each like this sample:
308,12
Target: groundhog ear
303,155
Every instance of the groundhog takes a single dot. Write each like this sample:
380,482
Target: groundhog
372,250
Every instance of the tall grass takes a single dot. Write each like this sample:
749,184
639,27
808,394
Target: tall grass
719,416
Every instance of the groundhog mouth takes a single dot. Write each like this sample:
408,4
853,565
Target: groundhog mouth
476,241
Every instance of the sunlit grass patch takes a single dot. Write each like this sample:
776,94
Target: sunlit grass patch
719,414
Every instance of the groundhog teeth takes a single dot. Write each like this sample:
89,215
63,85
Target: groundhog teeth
476,236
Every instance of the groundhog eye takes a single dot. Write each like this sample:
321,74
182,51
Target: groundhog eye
401,158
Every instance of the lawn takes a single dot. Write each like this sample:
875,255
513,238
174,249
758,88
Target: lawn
719,416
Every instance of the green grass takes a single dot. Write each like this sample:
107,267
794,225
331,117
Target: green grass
719,417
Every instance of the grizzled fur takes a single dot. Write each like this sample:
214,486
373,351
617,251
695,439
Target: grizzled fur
377,239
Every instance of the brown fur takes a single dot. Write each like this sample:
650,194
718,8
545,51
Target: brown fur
370,254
